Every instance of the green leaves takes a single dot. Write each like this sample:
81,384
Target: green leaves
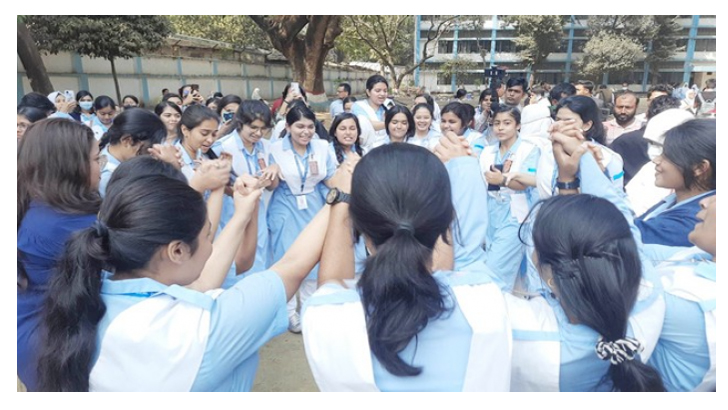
106,37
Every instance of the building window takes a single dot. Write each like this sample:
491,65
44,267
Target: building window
444,47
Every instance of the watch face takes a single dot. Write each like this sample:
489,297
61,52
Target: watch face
331,196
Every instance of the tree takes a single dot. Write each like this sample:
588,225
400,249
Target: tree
537,37
238,30
108,37
32,61
655,36
606,52
304,41
386,38
458,66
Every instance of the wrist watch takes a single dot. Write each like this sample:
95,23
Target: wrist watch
336,195
575,184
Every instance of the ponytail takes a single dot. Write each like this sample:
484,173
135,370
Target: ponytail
402,297
597,272
72,311
138,217
403,217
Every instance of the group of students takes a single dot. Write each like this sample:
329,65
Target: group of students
165,254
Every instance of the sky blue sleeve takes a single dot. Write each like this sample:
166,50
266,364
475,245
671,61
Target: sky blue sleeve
356,110
594,182
681,356
470,200
330,163
104,181
242,320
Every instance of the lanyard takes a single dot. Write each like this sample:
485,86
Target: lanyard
303,174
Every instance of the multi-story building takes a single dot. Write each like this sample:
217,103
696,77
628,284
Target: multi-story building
493,45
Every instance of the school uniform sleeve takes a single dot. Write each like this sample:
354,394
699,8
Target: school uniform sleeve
669,228
595,182
103,182
330,163
243,318
681,357
530,165
471,208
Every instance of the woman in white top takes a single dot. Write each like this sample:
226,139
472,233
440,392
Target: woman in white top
371,111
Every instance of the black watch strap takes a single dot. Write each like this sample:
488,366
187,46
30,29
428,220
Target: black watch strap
575,184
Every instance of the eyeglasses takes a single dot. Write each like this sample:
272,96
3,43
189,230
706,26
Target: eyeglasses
22,126
258,130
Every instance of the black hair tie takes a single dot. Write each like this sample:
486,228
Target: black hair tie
101,230
405,227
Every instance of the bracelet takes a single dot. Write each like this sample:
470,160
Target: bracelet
575,184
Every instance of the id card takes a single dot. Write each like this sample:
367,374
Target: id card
313,165
301,202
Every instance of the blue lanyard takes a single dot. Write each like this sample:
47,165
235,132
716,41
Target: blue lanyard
254,156
303,174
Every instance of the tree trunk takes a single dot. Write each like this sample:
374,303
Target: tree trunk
32,61
307,52
116,81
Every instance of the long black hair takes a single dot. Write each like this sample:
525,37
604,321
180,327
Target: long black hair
688,145
403,217
597,273
587,110
400,109
136,219
192,117
138,123
338,149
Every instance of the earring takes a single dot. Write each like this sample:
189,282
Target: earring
550,282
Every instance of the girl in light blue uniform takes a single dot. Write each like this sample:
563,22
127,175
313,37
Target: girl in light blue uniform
157,322
399,124
305,165
345,133
411,323
584,113
197,134
456,117
599,316
370,112
133,133
84,112
686,166
105,111
685,355
251,155
424,135
170,114
509,170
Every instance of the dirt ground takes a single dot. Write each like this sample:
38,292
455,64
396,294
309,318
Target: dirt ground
283,366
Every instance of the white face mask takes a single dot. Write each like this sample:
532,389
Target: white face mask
86,105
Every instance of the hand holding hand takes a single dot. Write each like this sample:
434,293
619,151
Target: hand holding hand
452,146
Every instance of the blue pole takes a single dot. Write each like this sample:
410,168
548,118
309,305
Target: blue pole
145,84
569,49
453,81
418,20
646,70
78,68
21,92
691,49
